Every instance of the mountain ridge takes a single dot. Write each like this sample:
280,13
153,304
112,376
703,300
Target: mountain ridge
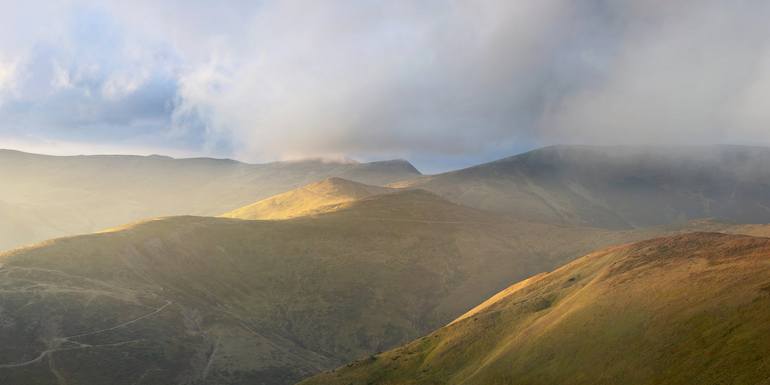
683,309
615,187
387,162
60,196
315,198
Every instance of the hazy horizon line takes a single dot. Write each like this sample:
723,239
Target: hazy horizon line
351,159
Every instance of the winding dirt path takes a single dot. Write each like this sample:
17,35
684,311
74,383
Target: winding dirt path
62,340
124,324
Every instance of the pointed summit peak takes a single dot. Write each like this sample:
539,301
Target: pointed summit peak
314,198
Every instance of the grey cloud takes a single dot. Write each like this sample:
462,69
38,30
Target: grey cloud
688,72
430,79
82,78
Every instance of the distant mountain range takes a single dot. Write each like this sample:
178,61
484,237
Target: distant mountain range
50,196
608,187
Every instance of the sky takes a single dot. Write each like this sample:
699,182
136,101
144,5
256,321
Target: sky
443,83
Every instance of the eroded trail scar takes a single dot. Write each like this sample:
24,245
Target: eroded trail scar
62,340
25,363
122,325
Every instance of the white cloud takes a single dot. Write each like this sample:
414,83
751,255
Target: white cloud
122,84
61,77
7,78
313,79
683,75
293,78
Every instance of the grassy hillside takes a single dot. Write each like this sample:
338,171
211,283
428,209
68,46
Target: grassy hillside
316,198
608,187
616,187
715,226
225,301
52,196
687,309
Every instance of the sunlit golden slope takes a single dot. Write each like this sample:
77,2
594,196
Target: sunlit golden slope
316,198
226,301
688,309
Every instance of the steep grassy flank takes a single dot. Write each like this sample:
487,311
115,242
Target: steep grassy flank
316,198
688,309
226,301
52,196
616,187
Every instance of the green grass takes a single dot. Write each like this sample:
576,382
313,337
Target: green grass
693,309
277,300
